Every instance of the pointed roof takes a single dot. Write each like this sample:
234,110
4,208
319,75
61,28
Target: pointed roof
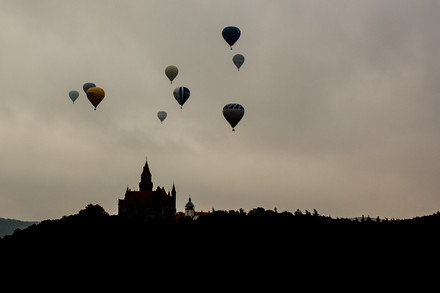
146,171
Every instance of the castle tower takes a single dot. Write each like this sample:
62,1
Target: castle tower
189,209
147,204
146,184
173,195
173,191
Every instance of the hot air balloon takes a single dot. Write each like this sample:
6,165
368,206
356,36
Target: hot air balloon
231,34
95,95
73,95
181,94
238,60
162,115
88,85
233,114
171,72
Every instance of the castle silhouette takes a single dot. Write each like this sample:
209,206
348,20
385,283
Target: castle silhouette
146,204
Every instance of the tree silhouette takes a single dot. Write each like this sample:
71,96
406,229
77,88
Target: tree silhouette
298,213
93,211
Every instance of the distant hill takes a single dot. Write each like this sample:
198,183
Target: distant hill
7,226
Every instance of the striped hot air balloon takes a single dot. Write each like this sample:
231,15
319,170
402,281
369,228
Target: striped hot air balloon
171,72
181,94
233,114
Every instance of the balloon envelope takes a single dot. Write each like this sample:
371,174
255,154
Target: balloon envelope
95,95
162,115
171,72
238,60
181,94
73,95
231,34
233,114
88,85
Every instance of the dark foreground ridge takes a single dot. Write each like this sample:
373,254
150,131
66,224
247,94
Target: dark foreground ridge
218,244
94,226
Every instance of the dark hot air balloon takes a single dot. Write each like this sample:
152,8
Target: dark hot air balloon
88,85
231,34
161,115
238,60
181,94
73,95
233,114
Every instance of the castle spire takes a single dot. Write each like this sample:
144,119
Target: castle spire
146,184
146,171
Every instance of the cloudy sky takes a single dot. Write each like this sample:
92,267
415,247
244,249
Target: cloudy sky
342,105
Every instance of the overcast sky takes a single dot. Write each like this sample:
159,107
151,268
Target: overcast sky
342,105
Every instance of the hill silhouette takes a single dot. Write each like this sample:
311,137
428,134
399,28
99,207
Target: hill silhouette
8,226
222,243
95,226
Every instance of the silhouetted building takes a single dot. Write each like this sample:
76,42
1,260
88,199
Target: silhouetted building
189,209
147,204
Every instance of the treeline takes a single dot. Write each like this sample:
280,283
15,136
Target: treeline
261,216
221,243
94,226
